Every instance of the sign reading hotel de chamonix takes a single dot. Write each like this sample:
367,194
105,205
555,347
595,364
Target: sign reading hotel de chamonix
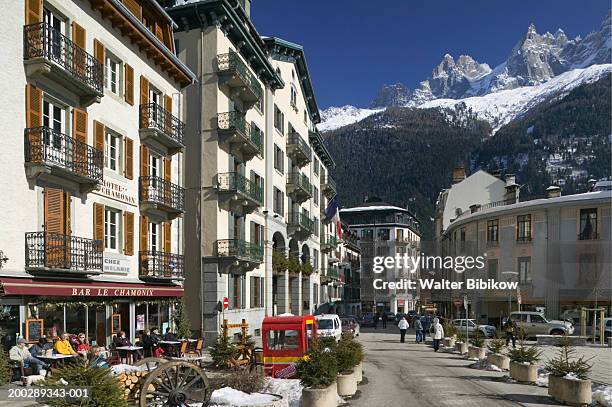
115,191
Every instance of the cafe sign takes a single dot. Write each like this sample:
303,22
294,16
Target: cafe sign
115,191
111,265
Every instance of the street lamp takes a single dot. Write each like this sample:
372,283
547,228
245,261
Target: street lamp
509,274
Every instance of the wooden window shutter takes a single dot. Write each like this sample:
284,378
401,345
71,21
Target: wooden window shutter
129,158
129,84
168,103
79,133
128,233
79,125
98,221
78,35
144,161
168,108
144,233
168,168
99,51
98,135
34,99
144,90
55,211
168,237
33,11
159,32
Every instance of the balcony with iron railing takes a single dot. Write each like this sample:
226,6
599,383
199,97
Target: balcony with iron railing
48,54
48,151
299,187
161,126
239,193
298,149
234,73
158,194
328,243
300,224
238,137
161,266
237,255
328,186
56,253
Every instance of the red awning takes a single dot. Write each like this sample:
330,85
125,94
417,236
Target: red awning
46,288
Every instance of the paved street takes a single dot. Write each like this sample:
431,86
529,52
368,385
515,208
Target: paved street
402,375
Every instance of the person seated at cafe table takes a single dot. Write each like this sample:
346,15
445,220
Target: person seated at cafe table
98,357
63,345
149,343
42,346
170,336
82,346
20,353
119,341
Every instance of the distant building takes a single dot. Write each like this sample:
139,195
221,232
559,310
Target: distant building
384,230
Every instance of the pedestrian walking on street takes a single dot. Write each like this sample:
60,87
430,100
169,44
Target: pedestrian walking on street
403,327
376,321
425,322
510,330
384,320
438,333
418,326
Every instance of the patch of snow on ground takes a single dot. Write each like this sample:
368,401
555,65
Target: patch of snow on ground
227,396
603,395
484,365
123,368
542,379
291,389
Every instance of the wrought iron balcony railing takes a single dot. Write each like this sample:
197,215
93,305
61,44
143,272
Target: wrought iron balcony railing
161,192
328,185
236,182
155,117
40,40
49,147
238,248
300,220
235,122
232,63
161,265
300,181
54,251
298,149
332,272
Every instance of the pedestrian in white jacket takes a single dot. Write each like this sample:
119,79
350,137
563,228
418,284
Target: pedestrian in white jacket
438,333
403,327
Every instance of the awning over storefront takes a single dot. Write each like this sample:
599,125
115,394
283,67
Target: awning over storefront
46,288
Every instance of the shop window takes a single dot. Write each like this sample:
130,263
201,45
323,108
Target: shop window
96,325
9,325
153,318
120,319
76,319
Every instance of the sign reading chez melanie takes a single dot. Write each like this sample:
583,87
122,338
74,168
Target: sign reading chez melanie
116,191
110,265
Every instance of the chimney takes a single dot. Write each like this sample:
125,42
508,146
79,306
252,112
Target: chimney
511,195
591,184
458,174
553,191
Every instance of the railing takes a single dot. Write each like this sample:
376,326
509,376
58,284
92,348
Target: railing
58,251
330,240
233,62
156,264
523,239
332,272
588,235
160,191
238,248
297,219
297,140
237,122
44,145
234,181
40,40
153,116
329,181
300,180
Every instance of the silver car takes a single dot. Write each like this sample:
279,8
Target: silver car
535,323
472,327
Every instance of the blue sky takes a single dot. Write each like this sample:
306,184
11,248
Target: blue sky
354,47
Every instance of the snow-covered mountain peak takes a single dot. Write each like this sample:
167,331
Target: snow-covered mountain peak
336,117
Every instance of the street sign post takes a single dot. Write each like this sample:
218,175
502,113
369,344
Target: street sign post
467,332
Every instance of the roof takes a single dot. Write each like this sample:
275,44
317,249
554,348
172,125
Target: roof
374,206
284,50
319,146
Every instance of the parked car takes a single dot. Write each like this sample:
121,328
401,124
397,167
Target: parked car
533,323
400,315
350,325
390,316
367,320
329,325
472,327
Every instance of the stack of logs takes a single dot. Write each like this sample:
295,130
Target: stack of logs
132,383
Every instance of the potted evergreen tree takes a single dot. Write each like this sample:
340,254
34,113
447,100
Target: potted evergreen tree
317,373
357,350
451,335
183,327
496,357
477,349
523,360
460,345
568,380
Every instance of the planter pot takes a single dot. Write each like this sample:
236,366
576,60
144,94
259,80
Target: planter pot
461,347
572,392
523,373
501,361
327,397
449,342
476,353
358,372
347,385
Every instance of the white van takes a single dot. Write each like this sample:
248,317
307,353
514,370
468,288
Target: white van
329,325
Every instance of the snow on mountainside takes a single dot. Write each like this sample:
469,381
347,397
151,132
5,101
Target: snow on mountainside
336,117
502,107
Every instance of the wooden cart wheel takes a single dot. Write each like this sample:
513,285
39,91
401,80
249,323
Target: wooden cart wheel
151,363
175,384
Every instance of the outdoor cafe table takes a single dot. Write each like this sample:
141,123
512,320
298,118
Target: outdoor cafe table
172,347
131,350
56,359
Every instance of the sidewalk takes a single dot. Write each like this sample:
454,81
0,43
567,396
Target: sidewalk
600,357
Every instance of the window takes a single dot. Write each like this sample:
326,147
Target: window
54,118
279,201
315,259
257,232
492,269
112,151
523,231
293,97
286,339
316,226
524,269
537,319
316,166
257,290
588,224
462,237
259,105
111,228
305,117
236,290
155,236
58,24
279,159
367,234
279,120
113,74
383,234
493,232
399,235
315,195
